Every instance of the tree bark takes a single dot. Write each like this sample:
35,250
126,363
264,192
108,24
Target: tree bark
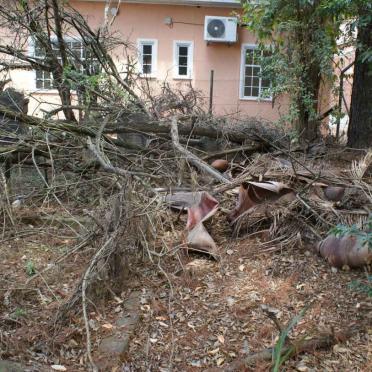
360,125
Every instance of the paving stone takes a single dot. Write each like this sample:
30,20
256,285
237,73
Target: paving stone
114,345
132,303
128,322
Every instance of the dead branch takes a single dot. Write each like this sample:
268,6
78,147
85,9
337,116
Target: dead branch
193,159
249,148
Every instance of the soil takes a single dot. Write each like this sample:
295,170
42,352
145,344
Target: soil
207,315
196,314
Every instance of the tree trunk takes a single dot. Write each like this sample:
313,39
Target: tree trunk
360,125
308,123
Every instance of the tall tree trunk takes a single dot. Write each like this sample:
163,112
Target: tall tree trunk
308,125
360,125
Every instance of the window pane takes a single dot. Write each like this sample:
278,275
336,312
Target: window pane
256,71
247,91
248,71
39,51
77,45
146,69
255,92
256,82
147,59
248,81
183,61
182,71
39,84
249,57
147,49
47,84
39,74
183,50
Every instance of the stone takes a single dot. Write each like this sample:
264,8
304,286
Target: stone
114,345
132,303
128,322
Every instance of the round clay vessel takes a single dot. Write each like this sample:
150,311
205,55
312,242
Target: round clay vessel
334,193
220,164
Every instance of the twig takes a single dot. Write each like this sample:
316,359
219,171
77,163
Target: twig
199,163
110,168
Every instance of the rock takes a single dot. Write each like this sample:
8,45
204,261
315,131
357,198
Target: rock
115,345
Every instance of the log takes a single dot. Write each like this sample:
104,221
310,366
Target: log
142,123
135,123
193,159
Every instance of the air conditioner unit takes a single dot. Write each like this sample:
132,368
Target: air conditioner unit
220,29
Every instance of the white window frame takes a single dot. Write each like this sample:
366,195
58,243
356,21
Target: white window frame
190,59
242,76
154,60
31,51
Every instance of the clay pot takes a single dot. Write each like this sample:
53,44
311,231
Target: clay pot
220,164
347,250
334,193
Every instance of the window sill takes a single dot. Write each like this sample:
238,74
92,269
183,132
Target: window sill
148,77
256,99
44,91
48,91
180,77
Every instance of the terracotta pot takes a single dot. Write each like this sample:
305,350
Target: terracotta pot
220,164
334,193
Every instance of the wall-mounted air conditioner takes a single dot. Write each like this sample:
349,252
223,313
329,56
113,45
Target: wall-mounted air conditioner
220,29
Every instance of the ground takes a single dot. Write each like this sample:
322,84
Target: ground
205,316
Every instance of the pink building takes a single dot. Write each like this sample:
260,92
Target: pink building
180,42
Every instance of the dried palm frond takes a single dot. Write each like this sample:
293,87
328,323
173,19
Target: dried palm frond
360,167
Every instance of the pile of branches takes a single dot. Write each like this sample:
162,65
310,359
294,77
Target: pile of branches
299,202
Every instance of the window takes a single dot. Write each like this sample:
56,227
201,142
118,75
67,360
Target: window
79,57
183,59
148,56
253,85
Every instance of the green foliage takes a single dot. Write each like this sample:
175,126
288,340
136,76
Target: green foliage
364,287
364,236
30,268
300,36
18,313
279,357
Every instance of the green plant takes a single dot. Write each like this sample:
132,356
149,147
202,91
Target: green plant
30,268
18,313
364,236
299,38
364,287
279,356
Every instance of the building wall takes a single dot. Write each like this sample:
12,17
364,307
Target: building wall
145,21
